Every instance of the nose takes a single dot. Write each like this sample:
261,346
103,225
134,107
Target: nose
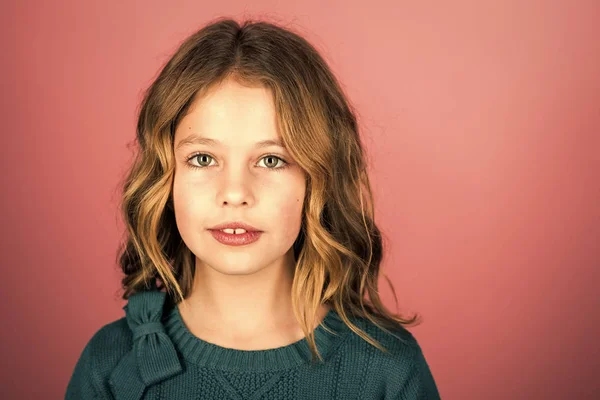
236,189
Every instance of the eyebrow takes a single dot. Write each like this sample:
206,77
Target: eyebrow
197,139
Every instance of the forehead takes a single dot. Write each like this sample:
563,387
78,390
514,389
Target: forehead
230,114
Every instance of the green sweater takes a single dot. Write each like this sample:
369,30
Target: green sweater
151,354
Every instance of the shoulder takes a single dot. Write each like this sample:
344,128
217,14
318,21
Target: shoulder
112,363
397,338
401,346
99,357
110,342
402,370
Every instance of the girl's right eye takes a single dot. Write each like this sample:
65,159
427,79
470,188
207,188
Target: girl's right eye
197,156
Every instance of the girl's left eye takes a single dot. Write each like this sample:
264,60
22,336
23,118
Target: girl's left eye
204,155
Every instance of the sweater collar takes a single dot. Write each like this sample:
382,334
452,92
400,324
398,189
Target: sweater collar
202,353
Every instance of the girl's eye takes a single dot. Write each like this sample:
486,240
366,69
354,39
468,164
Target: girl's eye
271,160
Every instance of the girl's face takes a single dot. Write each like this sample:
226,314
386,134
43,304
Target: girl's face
235,181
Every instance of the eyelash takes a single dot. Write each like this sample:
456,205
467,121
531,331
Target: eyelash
190,158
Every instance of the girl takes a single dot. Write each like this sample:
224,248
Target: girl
252,244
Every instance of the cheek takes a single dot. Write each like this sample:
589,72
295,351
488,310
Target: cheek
288,216
188,205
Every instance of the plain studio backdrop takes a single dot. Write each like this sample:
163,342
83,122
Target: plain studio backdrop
482,121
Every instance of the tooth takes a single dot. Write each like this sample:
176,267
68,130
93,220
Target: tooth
233,231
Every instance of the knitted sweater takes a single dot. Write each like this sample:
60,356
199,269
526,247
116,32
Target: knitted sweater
150,354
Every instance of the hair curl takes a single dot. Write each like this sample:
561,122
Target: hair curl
339,249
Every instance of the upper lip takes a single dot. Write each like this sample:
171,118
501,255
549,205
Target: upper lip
235,224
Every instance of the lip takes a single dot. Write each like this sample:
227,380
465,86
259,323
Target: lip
232,239
233,225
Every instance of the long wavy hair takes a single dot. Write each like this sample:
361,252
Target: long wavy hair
339,249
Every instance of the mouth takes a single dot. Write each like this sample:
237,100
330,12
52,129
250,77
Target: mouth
235,239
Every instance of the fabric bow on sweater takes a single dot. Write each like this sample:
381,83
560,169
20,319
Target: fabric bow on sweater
152,357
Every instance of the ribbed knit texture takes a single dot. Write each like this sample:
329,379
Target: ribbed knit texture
150,354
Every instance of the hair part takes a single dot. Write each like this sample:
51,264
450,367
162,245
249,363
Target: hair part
339,249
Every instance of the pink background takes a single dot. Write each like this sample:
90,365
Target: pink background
482,119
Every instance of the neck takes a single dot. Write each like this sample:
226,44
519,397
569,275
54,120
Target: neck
243,305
